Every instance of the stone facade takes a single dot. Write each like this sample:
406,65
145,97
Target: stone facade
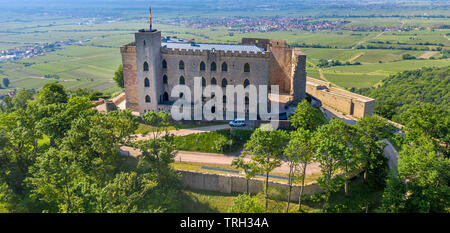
130,75
152,68
344,101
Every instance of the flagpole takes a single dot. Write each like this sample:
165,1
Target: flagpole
150,10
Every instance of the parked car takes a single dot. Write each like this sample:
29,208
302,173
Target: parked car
237,123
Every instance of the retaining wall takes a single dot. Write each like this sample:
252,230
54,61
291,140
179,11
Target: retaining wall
226,183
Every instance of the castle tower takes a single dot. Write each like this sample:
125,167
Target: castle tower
149,68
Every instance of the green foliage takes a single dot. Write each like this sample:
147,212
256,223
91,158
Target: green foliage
394,195
81,170
423,180
333,154
408,56
21,99
266,149
299,153
118,76
6,82
369,149
89,93
245,203
159,120
306,117
52,93
407,89
430,120
250,168
128,193
213,142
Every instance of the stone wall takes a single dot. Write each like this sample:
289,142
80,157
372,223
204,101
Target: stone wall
130,76
237,184
343,101
279,65
286,68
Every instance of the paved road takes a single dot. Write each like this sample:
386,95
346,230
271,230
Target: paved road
391,153
221,159
212,158
206,158
331,113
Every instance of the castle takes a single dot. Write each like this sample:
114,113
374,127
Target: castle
153,65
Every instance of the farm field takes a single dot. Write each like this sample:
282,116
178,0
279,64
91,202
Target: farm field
92,64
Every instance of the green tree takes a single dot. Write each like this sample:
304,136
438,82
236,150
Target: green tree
299,154
127,193
118,76
21,99
266,149
157,155
427,175
369,132
53,177
331,154
249,168
428,119
306,117
245,203
159,152
6,82
52,93
159,120
394,195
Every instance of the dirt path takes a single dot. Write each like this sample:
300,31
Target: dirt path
428,54
365,39
355,57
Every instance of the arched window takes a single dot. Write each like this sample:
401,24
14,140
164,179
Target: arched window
166,96
213,109
164,64
224,99
181,65
203,82
224,83
202,66
181,80
224,67
145,66
165,79
146,82
247,100
213,81
147,99
181,95
213,66
246,67
246,83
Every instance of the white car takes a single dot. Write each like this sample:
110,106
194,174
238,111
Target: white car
237,123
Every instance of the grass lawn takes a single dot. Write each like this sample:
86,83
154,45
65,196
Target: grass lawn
214,142
145,129
199,201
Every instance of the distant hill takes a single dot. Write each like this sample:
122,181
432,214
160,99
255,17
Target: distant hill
406,89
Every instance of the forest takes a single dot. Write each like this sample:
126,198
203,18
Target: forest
407,89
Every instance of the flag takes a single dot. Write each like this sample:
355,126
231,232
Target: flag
150,9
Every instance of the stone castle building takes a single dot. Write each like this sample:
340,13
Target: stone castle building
153,65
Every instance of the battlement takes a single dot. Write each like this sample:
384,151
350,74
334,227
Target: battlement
128,48
196,52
